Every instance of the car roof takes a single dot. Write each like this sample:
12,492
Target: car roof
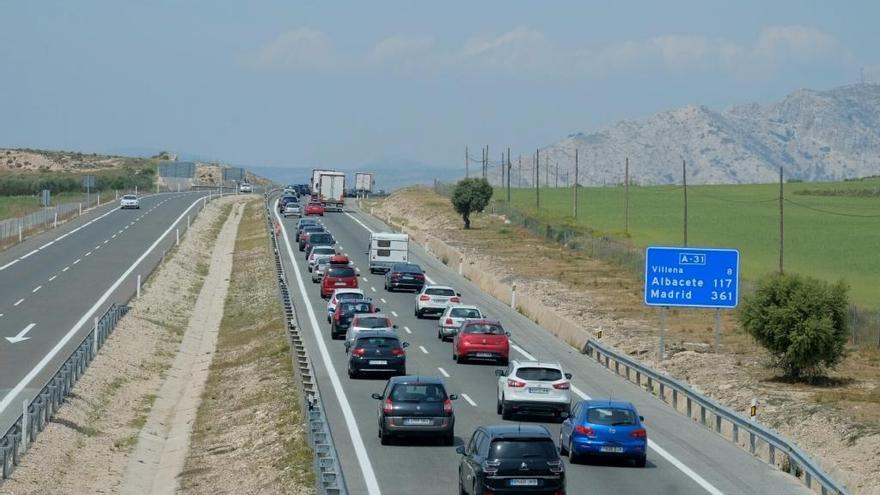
413,379
464,306
437,287
376,315
517,431
483,322
534,364
609,403
349,290
378,333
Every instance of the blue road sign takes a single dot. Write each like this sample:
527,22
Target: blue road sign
691,277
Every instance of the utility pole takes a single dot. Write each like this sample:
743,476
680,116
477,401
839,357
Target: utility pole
781,198
501,165
508,175
547,171
537,179
685,184
556,174
575,193
486,163
467,163
519,174
626,197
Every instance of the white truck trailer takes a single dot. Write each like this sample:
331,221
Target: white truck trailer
331,190
363,183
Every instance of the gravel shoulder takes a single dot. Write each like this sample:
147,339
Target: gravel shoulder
838,422
86,446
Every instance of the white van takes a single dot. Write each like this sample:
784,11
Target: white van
387,248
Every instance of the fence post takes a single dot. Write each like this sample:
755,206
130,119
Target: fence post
19,231
99,199
24,426
55,222
513,296
139,286
80,209
95,339
117,194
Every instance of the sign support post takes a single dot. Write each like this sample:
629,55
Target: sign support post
717,330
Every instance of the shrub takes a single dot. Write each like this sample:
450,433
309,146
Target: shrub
801,321
471,195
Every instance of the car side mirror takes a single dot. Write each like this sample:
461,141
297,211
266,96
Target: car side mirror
568,376
499,372
458,294
393,326
376,310
404,344
507,333
459,450
641,418
377,396
453,396
347,345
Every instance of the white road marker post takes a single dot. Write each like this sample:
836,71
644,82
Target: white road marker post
95,339
753,410
513,296
99,199
187,222
139,286
24,426
177,234
460,263
80,209
117,194
55,222
19,231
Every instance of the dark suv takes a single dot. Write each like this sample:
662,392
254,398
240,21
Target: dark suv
317,239
416,405
306,231
507,459
377,351
405,276
345,311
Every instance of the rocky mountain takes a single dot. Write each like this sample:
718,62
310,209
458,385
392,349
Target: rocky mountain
813,135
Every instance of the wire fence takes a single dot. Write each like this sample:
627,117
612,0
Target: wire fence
15,230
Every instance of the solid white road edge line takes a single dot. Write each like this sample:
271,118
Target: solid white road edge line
15,391
468,399
357,442
653,445
7,265
29,254
36,289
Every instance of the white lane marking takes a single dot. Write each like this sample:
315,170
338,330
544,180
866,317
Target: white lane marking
77,261
356,440
443,372
666,455
7,265
407,330
119,232
29,254
127,226
1,315
383,300
21,335
65,268
394,313
373,289
44,246
61,237
36,289
523,352
365,279
13,394
88,253
74,230
107,240
53,277
468,399
422,348
97,247
19,302
349,215
113,236
429,279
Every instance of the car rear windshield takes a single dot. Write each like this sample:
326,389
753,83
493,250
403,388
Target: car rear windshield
349,295
484,329
407,268
315,205
313,228
440,292
522,448
307,221
378,342
418,392
465,313
320,238
539,374
341,271
373,322
323,250
356,307
129,196
611,416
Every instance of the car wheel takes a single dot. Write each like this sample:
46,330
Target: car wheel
417,313
497,406
641,461
506,413
502,362
310,269
449,439
460,486
563,450
454,355
352,373
573,457
385,438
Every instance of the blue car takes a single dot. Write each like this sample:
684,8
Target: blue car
604,428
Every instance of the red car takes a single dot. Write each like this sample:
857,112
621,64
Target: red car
314,209
481,339
339,275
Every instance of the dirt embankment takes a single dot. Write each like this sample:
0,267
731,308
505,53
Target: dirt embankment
838,423
24,160
86,446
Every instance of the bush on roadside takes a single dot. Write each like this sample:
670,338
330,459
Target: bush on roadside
802,321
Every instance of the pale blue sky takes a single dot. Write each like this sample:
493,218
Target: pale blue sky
300,84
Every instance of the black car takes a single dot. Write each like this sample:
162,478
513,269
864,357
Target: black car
286,199
405,276
311,229
318,239
302,223
345,310
416,405
376,351
507,459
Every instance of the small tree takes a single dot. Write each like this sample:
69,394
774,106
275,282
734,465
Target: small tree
471,195
801,321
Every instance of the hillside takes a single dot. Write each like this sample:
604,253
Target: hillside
813,135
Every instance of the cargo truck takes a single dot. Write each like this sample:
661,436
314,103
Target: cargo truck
331,190
363,182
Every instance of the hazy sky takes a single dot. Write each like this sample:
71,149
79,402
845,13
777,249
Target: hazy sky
299,83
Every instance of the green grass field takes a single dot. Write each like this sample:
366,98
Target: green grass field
16,206
830,237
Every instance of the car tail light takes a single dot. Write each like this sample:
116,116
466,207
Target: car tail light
515,383
639,433
424,297
585,430
388,408
395,274
561,386
491,467
447,406
556,466
359,352
336,317
449,321
397,352
455,299
419,275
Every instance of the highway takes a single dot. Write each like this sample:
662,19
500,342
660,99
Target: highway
53,285
684,458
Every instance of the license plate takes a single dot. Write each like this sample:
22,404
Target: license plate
378,362
417,422
522,482
340,284
407,277
484,354
538,390
613,450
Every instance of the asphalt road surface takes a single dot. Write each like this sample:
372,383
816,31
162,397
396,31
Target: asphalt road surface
684,458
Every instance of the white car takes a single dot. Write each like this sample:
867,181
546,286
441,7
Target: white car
433,299
366,321
342,294
533,387
319,251
452,318
130,201
320,268
245,188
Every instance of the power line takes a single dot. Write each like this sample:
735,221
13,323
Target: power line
829,212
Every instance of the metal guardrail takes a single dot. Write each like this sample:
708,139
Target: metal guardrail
37,413
329,478
665,387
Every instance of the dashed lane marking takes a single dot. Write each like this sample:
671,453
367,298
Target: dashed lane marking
443,372
407,330
19,302
469,400
422,348
53,277
36,289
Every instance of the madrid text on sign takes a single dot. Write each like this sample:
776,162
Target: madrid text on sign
693,277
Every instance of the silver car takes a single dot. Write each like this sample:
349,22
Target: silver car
366,321
451,320
321,264
292,208
319,251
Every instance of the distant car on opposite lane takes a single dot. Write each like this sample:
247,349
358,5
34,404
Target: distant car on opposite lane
245,188
129,201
